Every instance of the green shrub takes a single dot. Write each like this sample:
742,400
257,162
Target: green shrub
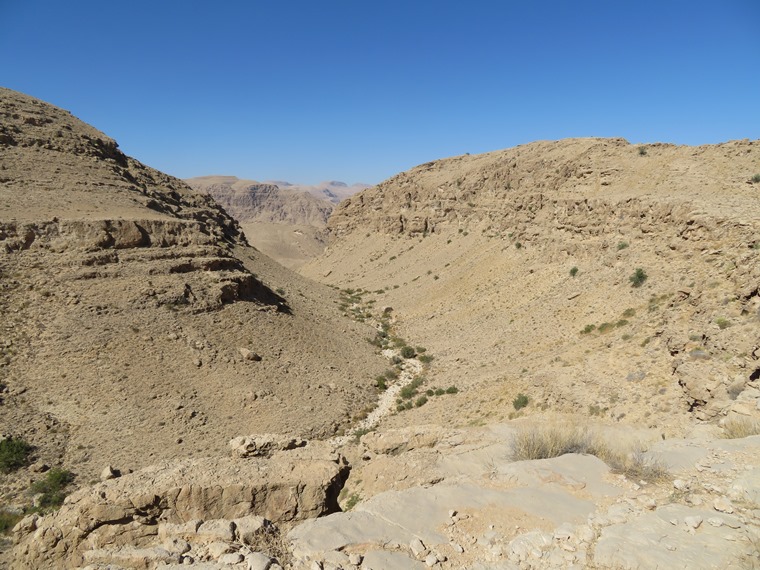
452,390
622,245
722,323
518,245
8,521
425,358
380,383
352,501
52,488
756,179
520,401
587,329
573,271
410,390
629,313
408,352
606,327
14,453
421,401
642,151
638,277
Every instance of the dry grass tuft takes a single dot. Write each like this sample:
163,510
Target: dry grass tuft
545,442
737,428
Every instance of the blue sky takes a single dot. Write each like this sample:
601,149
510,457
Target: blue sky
357,91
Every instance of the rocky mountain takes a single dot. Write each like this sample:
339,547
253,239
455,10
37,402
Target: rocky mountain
543,357
137,323
586,274
285,221
251,201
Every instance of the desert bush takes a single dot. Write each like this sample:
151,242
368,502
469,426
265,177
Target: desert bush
629,312
638,277
52,488
737,428
14,453
642,151
380,383
573,271
410,390
587,329
8,521
421,401
545,442
722,323
622,245
520,401
756,179
425,358
605,327
452,390
408,352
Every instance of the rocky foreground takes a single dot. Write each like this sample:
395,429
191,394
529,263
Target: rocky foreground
439,498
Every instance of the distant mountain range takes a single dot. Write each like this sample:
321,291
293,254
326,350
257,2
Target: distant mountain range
275,201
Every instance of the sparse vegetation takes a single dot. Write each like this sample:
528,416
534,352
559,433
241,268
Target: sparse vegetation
8,521
756,179
642,151
605,327
520,401
52,488
408,352
545,442
421,401
737,428
573,271
353,500
588,329
622,245
722,323
638,277
425,358
14,454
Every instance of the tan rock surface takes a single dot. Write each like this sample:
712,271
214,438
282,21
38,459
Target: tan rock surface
475,253
126,298
200,502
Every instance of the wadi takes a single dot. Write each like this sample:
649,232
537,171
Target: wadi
546,356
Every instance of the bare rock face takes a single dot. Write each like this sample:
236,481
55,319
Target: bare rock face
263,445
164,511
250,201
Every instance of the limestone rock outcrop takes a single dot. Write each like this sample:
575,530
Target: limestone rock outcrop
164,512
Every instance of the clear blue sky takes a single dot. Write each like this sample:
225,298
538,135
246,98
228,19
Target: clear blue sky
355,90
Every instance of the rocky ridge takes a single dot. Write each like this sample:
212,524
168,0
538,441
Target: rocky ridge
499,314
541,242
137,323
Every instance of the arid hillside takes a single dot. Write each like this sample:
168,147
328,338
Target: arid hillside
590,275
137,323
285,221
